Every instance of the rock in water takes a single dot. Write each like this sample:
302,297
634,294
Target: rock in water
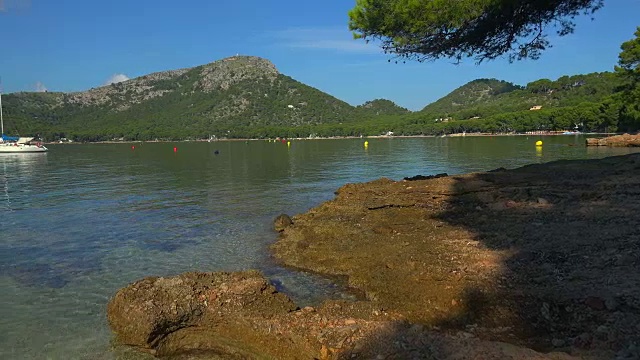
153,312
616,140
423,177
282,222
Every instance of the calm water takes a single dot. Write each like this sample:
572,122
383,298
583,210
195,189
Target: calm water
82,221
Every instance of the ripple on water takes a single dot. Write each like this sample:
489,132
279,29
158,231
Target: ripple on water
82,221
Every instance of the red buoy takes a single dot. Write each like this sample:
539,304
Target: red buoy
175,149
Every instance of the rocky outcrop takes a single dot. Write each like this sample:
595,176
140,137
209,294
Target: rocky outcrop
223,74
218,75
617,140
240,316
282,222
529,256
168,316
126,93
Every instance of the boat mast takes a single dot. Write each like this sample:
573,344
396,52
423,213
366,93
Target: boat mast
1,120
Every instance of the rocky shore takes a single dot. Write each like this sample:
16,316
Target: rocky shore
241,316
543,257
624,140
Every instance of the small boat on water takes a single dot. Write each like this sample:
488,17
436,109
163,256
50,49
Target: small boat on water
9,144
20,145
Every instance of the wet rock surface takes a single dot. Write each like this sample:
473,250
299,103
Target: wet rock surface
282,222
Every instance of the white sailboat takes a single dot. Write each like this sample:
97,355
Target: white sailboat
10,144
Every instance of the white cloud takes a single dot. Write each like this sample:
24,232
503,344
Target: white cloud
6,5
39,87
335,39
116,78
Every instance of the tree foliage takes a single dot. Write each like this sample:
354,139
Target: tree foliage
629,69
484,29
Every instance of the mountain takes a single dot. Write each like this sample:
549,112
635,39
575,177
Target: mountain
235,92
380,107
246,96
486,97
480,91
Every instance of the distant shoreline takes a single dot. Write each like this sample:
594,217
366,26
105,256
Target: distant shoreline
331,138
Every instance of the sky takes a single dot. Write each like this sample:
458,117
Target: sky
74,45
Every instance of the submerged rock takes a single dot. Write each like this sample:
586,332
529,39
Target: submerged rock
282,222
427,177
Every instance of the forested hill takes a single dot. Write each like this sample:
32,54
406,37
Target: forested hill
245,96
472,94
487,97
380,107
215,98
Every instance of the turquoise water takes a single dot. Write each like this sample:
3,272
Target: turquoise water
82,221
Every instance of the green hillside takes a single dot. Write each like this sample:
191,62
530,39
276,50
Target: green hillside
487,97
472,94
379,107
246,97
213,99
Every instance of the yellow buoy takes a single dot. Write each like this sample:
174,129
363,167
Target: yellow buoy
539,143
288,143
366,144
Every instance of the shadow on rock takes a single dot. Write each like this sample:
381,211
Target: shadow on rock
240,316
544,256
569,253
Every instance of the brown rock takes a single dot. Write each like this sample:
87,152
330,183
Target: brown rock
152,312
144,311
617,140
282,222
349,322
324,352
595,303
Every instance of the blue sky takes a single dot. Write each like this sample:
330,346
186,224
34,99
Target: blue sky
74,45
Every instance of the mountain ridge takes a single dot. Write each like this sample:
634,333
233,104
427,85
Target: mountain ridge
247,96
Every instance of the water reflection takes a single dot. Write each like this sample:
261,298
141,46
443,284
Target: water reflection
18,167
